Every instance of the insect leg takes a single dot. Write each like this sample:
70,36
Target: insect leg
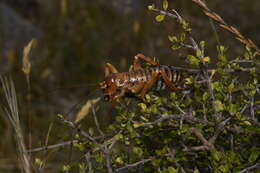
138,57
149,84
121,94
109,68
131,68
168,83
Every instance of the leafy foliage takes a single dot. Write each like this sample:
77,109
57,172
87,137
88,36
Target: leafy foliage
212,128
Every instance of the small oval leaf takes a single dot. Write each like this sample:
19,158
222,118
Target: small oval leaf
165,4
159,18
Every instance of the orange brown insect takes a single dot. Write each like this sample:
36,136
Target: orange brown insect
139,80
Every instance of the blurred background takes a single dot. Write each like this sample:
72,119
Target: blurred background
75,38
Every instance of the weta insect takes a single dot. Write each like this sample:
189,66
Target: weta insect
140,80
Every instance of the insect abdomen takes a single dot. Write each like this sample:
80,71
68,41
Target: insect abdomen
145,74
174,76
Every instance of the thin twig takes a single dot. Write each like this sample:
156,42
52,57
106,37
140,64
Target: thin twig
48,134
129,166
96,121
83,133
199,135
48,147
219,129
89,163
106,153
177,116
255,166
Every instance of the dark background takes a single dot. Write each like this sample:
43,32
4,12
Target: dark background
75,38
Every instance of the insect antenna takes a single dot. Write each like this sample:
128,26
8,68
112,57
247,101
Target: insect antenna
70,87
69,113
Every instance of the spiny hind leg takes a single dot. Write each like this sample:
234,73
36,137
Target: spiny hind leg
168,83
149,84
109,68
116,97
137,63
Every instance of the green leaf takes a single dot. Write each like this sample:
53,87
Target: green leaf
198,53
202,44
119,136
80,146
137,124
222,58
224,168
91,131
156,162
172,170
165,4
232,108
248,49
189,80
159,18
215,85
173,39
138,151
205,96
119,160
39,162
182,36
221,49
185,25
151,7
173,95
215,154
219,105
246,55
196,171
231,87
143,107
82,167
253,156
65,168
176,46
193,60
98,157
206,59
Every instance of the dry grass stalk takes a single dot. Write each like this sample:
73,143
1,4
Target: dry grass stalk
85,109
13,116
224,25
26,57
26,68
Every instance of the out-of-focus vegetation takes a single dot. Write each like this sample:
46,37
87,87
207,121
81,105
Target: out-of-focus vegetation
175,133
